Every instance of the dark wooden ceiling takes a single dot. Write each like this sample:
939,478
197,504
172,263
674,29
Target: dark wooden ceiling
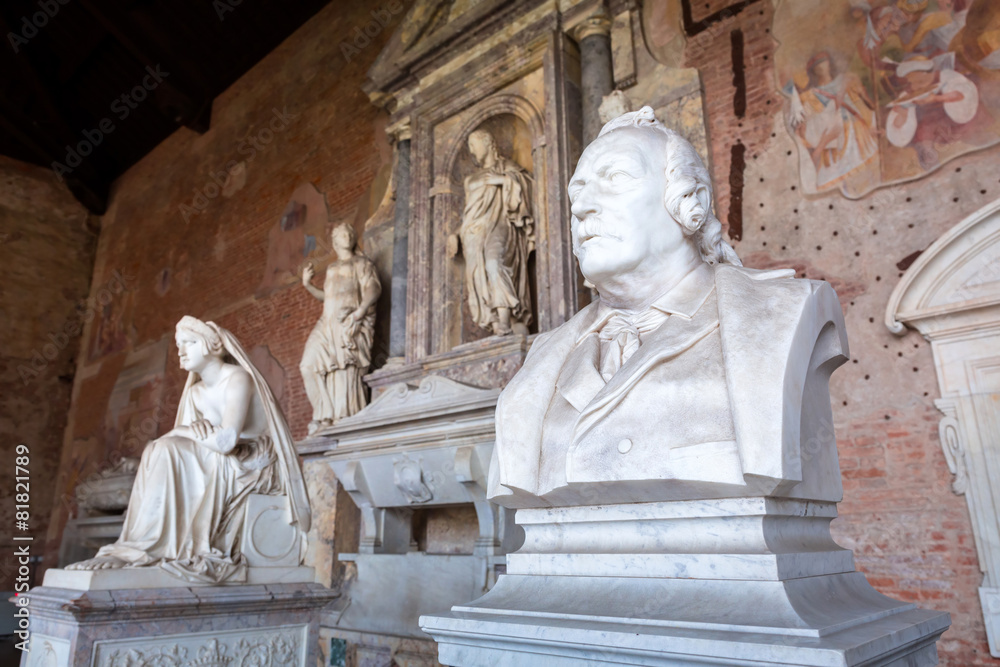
67,63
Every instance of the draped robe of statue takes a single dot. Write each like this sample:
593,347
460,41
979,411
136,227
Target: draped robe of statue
337,353
187,506
497,235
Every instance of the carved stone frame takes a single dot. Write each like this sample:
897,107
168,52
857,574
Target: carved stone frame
554,143
951,295
447,304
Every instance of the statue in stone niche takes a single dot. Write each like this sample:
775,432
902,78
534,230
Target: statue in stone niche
676,371
229,440
338,351
497,235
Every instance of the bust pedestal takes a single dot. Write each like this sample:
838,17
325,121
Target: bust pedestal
741,581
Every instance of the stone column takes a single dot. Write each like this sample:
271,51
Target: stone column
596,72
401,178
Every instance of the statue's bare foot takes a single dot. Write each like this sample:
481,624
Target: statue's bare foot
313,427
99,563
500,330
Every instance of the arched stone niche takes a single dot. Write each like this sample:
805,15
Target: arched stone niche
951,295
516,127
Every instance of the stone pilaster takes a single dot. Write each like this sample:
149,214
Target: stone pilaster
401,178
596,69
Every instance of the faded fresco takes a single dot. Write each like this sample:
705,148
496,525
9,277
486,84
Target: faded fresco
886,91
295,236
135,412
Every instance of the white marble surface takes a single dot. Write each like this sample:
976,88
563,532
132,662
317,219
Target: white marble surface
951,295
282,645
415,446
519,640
497,235
269,541
144,578
338,351
392,591
229,442
742,573
47,651
735,361
424,445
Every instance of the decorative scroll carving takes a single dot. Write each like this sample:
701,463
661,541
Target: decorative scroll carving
954,450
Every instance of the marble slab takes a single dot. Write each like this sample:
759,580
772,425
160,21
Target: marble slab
152,577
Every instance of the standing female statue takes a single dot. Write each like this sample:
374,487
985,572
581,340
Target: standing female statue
338,351
497,234
229,440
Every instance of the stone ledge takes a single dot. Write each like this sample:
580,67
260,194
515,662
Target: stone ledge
154,577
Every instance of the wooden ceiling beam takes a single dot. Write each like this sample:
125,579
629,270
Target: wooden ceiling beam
183,100
45,134
86,184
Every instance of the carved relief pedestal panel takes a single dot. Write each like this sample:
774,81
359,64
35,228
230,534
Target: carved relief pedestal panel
229,625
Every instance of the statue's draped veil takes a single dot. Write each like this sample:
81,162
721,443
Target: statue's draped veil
287,459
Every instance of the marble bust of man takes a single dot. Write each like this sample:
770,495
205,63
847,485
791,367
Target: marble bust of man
691,376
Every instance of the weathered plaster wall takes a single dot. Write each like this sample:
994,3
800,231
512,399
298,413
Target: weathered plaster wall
47,256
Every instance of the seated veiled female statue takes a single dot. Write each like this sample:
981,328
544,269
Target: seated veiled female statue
229,440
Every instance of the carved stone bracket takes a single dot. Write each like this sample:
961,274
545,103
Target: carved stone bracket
951,443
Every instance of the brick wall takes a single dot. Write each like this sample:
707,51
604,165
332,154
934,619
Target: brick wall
46,255
911,535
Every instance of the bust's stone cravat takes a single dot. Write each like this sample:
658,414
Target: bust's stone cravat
621,336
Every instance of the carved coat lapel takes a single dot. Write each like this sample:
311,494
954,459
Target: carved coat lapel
580,380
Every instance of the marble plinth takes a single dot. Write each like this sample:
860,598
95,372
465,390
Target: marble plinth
210,625
152,577
747,581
